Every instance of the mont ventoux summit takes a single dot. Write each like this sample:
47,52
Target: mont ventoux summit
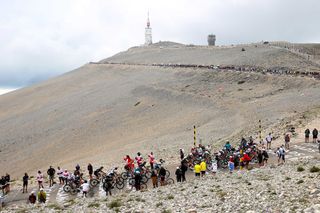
160,97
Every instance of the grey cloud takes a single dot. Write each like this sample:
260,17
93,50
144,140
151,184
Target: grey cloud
41,38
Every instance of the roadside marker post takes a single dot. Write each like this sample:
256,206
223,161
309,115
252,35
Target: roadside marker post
194,136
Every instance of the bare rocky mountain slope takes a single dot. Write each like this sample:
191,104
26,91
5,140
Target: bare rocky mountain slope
100,112
258,55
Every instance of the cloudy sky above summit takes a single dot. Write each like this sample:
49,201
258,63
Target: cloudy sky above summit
42,38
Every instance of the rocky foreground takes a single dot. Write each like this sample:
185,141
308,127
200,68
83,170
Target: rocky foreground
293,187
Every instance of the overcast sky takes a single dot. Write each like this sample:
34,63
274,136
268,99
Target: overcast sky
44,38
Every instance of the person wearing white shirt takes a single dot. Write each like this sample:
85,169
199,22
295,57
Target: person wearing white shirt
60,175
85,188
269,139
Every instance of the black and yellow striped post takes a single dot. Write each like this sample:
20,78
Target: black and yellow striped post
260,132
194,136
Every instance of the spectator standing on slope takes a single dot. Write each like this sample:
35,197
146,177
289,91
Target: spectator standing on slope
287,141
151,159
178,174
314,135
40,179
90,170
51,172
203,167
60,175
269,140
25,181
307,134
197,169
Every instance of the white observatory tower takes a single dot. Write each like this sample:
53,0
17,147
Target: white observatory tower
148,33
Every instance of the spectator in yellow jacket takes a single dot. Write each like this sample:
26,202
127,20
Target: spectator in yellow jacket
203,168
197,169
42,196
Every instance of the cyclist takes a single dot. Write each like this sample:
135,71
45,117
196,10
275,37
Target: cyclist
151,159
129,163
139,159
98,172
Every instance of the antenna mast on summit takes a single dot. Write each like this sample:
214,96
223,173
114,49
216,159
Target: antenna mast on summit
148,33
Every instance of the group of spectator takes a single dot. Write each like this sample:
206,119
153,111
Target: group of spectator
5,184
314,135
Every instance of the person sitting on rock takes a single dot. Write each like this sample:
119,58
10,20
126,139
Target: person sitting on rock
32,198
42,196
